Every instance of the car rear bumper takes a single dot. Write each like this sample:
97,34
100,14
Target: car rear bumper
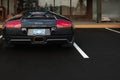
40,39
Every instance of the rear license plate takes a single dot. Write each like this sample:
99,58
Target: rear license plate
34,32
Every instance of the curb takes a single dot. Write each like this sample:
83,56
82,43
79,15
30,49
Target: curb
97,26
92,26
1,26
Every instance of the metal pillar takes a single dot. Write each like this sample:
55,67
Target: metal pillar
99,10
7,6
54,5
70,7
0,2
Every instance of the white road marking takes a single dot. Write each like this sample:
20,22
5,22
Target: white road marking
80,51
113,30
1,36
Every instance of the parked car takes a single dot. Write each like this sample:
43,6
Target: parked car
38,27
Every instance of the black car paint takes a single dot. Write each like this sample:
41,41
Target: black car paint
64,35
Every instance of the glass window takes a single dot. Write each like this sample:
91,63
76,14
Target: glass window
62,7
46,4
79,7
28,4
65,7
58,6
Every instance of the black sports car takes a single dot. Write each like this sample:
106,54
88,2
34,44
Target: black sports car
38,27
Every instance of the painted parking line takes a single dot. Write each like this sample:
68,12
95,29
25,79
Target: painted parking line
1,36
113,30
80,51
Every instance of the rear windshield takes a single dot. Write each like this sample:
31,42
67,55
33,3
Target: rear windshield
41,15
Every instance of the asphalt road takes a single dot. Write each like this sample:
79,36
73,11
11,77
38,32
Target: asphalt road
58,63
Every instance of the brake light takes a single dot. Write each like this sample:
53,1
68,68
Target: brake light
14,24
63,24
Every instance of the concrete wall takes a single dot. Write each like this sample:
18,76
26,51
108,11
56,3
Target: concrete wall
110,8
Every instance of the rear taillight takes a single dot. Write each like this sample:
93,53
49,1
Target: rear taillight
63,24
13,24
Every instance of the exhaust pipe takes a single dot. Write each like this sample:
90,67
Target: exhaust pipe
38,40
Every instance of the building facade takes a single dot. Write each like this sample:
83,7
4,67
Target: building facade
77,10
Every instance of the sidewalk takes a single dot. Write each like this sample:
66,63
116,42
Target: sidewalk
1,25
96,25
92,25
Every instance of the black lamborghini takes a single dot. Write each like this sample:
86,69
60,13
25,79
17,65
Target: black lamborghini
38,27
